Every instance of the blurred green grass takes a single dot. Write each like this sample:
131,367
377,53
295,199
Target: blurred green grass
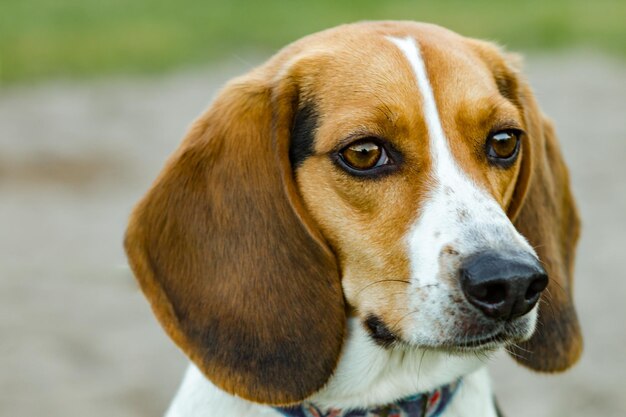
41,39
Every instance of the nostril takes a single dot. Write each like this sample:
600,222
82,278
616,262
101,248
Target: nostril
538,284
489,293
495,294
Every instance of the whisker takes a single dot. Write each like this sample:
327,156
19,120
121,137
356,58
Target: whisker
403,317
535,247
559,286
520,348
404,281
482,356
516,354
548,301
419,368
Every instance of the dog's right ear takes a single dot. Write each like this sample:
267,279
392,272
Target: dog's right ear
229,259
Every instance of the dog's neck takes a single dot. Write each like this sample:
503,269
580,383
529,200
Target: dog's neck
367,376
427,404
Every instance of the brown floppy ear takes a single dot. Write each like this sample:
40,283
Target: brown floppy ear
548,218
228,258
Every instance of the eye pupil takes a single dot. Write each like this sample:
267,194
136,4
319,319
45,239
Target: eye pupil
363,155
502,147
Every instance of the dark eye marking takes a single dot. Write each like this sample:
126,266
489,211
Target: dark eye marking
302,141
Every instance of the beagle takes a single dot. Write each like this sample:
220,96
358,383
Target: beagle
353,226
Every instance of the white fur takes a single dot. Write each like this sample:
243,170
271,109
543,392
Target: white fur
474,397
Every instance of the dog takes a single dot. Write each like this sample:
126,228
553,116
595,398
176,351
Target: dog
353,226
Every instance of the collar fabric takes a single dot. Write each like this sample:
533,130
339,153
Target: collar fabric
429,404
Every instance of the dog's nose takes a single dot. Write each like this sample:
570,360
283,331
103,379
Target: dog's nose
503,286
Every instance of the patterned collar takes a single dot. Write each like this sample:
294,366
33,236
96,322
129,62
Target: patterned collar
429,404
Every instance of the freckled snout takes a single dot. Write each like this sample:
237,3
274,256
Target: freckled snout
503,286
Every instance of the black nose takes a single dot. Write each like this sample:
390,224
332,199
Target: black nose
501,285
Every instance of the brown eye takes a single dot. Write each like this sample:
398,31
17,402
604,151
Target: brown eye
364,155
503,146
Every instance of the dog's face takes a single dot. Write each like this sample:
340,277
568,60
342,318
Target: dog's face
392,172
407,194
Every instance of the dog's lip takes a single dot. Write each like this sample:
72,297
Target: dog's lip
497,338
379,331
483,338
479,343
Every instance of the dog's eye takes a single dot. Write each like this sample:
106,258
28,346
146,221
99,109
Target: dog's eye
503,147
364,155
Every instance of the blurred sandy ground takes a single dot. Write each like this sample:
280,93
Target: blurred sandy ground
77,337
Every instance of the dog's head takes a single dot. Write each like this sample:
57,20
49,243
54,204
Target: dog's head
395,172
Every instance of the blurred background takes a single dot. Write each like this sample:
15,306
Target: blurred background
95,94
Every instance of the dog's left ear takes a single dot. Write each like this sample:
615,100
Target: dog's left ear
543,210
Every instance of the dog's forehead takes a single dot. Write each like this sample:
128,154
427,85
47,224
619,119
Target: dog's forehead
356,74
361,58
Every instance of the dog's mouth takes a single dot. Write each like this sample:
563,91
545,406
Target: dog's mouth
379,332
489,342
484,341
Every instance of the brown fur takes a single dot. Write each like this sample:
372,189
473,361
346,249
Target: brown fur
243,265
225,254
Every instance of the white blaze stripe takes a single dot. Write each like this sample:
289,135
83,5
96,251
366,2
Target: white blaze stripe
437,137
479,206
456,213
